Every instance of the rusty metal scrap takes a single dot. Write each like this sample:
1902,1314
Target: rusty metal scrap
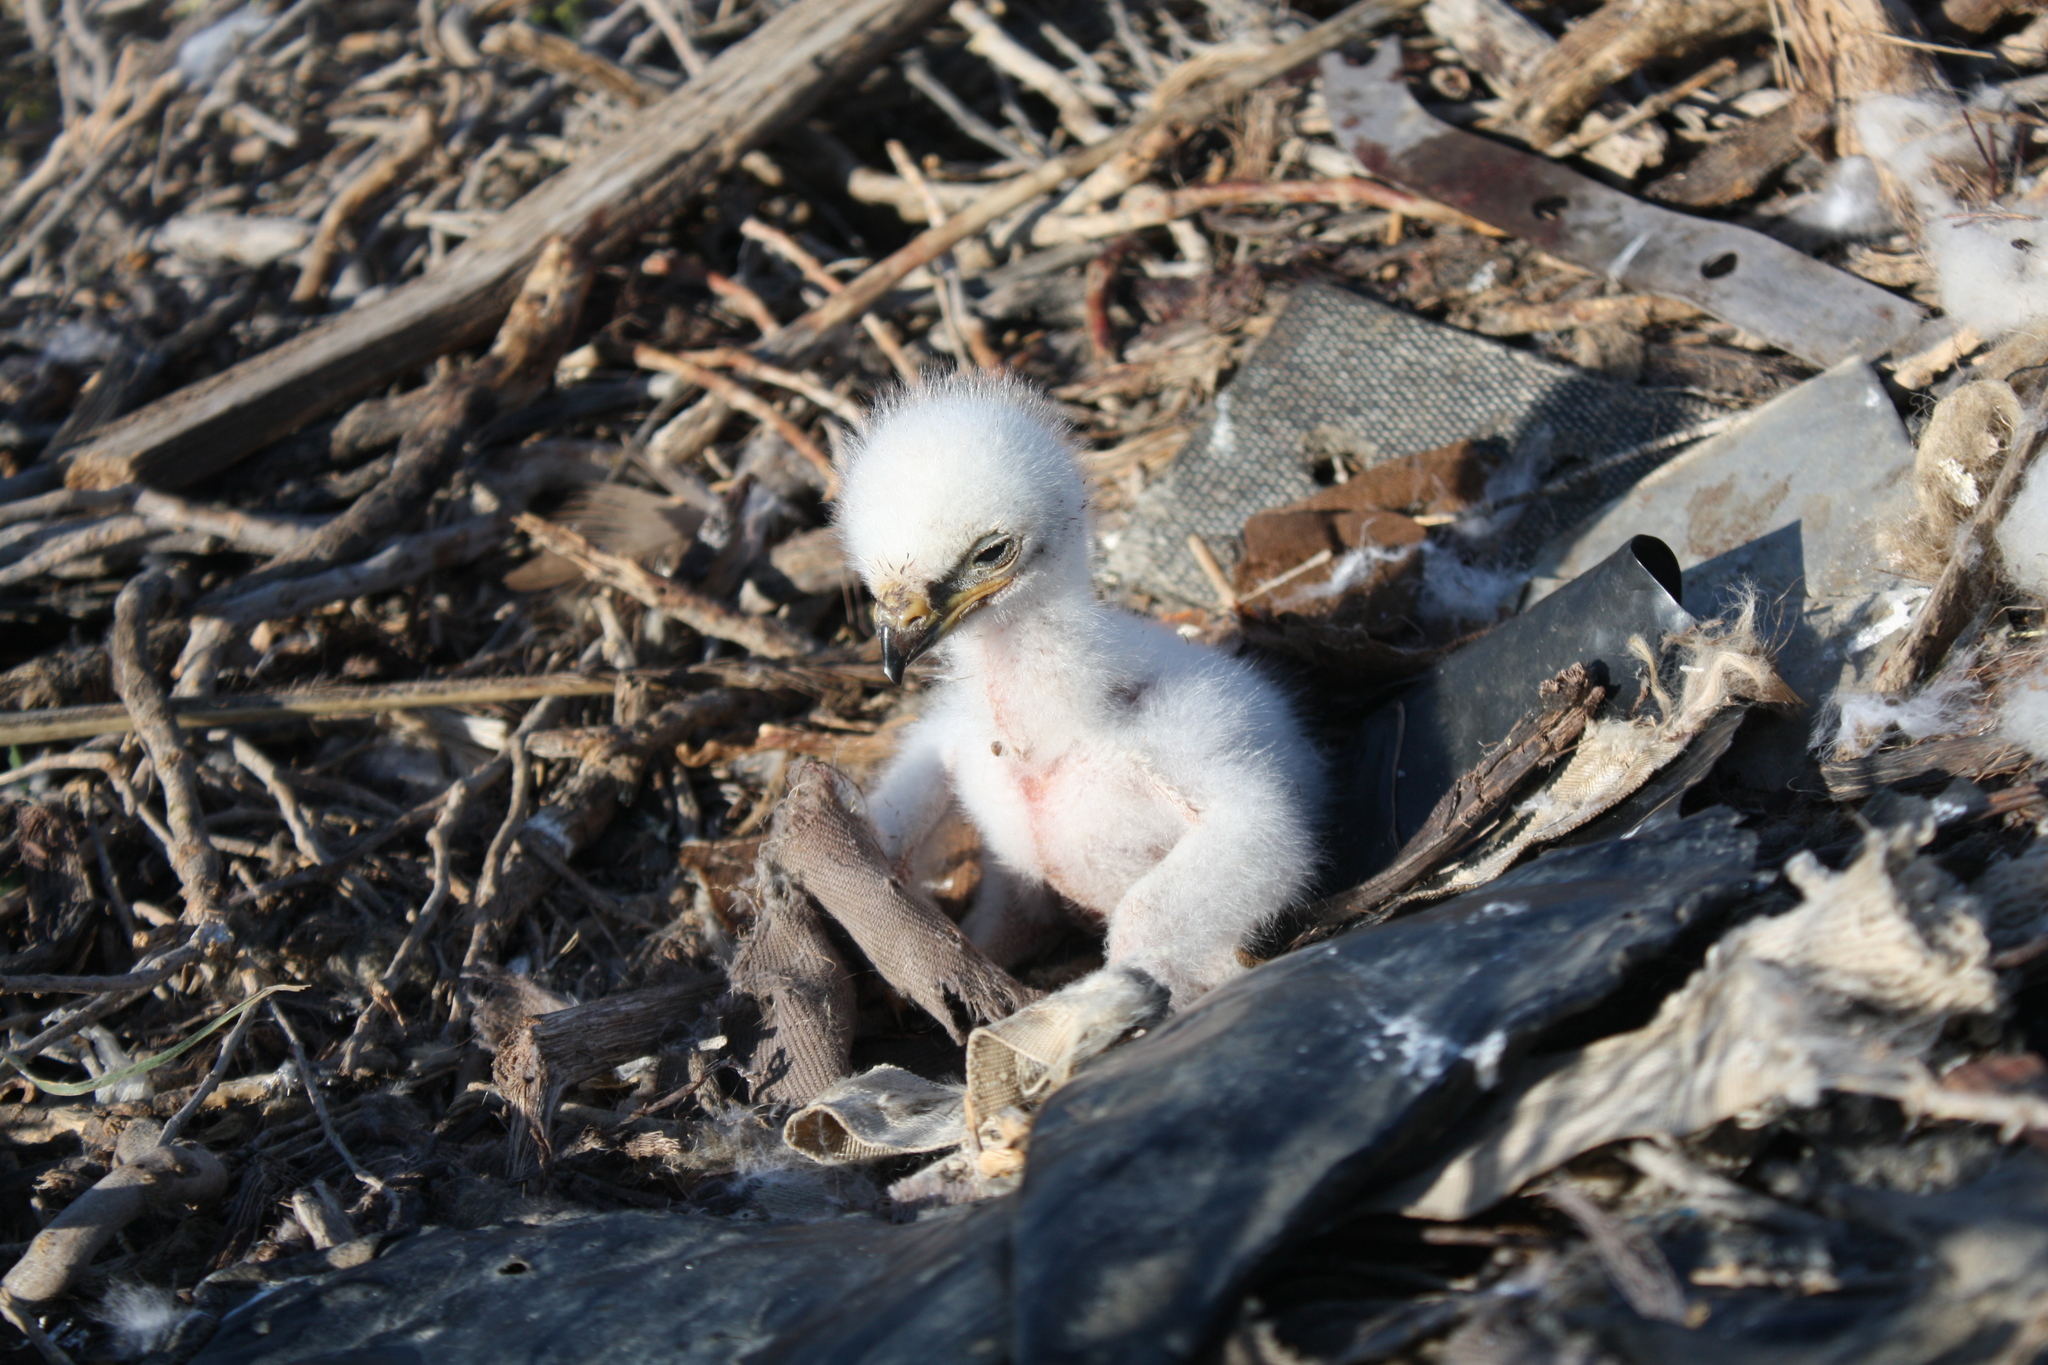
1763,286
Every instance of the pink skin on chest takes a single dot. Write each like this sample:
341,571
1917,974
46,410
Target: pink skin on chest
1091,817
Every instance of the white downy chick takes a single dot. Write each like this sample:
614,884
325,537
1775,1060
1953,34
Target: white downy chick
1150,781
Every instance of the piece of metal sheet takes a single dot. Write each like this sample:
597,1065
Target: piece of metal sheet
1818,313
1792,504
1401,760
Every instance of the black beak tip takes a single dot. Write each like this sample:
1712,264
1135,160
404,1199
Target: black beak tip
894,660
901,648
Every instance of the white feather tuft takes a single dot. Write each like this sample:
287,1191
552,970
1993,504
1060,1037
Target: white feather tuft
2023,536
2023,713
1352,569
1852,724
1992,265
139,1318
1454,590
1850,205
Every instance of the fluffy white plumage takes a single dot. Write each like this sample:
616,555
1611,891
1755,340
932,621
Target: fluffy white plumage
1152,782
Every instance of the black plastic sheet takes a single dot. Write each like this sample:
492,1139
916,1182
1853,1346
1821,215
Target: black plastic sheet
1159,1181
1163,1177
681,1288
1410,751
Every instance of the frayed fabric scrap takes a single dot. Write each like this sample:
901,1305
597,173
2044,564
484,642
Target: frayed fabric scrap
1847,992
880,1113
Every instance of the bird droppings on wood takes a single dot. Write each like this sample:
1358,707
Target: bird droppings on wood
427,437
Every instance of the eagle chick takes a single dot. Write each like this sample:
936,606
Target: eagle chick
1156,784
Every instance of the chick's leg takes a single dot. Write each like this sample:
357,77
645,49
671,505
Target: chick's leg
1181,923
911,797
1012,919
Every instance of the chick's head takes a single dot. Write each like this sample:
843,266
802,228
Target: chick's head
960,503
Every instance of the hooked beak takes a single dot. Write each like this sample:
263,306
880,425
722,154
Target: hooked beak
908,626
909,622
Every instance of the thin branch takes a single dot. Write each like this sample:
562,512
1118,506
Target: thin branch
193,855
747,401
421,138
763,635
176,1124
206,713
307,1079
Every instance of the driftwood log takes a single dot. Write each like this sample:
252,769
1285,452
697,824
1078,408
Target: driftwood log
609,196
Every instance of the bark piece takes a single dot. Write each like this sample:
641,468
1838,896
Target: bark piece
1739,165
548,1053
60,906
1720,664
1371,510
751,91
829,850
1977,16
1170,1172
1930,762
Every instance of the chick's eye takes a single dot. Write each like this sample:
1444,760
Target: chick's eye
992,554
